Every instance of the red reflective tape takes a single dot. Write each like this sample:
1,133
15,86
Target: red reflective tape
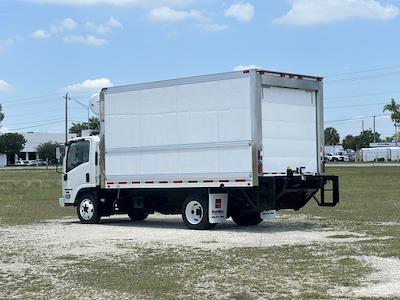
135,182
178,181
110,182
122,182
224,180
149,182
193,181
163,182
208,181
240,180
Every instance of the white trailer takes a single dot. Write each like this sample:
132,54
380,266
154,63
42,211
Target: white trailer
380,154
206,147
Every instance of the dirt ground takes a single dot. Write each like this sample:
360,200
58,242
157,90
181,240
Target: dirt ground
41,254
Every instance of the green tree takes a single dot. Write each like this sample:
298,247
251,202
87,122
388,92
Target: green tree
394,108
332,137
94,123
47,150
360,141
1,114
11,144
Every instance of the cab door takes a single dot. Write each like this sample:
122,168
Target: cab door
79,171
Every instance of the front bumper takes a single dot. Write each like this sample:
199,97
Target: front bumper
61,201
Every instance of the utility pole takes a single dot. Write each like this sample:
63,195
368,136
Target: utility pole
66,118
374,129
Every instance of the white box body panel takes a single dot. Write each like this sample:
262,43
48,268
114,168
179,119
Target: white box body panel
187,134
289,130
208,130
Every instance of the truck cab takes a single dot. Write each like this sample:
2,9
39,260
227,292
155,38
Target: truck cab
80,170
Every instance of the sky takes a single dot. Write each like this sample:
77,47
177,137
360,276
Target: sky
50,47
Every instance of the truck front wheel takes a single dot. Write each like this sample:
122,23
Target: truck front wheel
247,219
195,213
88,209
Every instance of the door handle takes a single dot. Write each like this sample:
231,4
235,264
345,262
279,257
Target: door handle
65,177
87,177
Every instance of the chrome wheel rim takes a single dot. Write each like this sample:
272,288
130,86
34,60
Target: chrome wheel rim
194,212
86,209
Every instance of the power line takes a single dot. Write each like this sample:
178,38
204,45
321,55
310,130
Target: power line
28,103
363,95
40,125
353,79
363,71
355,105
30,98
35,122
357,118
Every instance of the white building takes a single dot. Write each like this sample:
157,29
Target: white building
33,140
3,160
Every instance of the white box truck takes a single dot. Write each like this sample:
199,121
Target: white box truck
208,147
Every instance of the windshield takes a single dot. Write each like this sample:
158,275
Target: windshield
78,153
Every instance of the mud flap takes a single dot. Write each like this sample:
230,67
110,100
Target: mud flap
268,214
217,208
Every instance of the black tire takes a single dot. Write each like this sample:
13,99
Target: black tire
247,219
195,213
88,209
137,215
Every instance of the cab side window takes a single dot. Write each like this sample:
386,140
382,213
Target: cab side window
78,153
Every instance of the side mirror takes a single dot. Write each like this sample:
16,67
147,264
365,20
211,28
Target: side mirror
59,158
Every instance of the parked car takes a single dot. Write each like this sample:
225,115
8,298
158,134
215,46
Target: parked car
40,162
340,156
19,163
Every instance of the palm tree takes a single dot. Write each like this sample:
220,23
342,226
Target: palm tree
394,109
1,114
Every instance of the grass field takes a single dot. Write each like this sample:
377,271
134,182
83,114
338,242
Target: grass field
28,196
370,206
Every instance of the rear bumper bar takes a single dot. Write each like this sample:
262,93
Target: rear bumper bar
293,192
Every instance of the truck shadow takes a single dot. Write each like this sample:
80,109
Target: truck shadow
169,222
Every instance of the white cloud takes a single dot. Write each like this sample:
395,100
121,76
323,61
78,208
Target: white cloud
6,44
310,12
64,25
166,14
112,22
248,67
89,40
106,28
89,85
4,129
68,24
214,27
242,12
5,86
146,3
40,34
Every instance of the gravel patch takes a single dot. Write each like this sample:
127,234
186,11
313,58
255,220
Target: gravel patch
69,237
384,282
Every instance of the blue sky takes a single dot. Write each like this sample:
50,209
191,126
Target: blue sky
50,46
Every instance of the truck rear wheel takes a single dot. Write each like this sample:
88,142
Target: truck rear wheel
136,215
88,209
247,219
195,213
